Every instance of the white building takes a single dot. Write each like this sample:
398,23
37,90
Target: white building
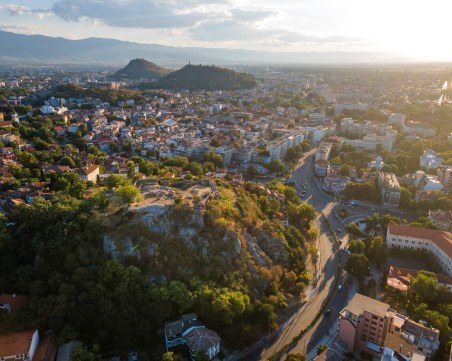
396,119
278,148
371,141
322,168
321,132
430,160
377,163
19,346
439,243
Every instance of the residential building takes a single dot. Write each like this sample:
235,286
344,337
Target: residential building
323,151
372,326
363,324
188,330
418,129
400,278
278,148
322,168
377,163
349,106
88,172
65,350
389,188
371,141
437,242
19,346
396,119
441,219
430,160
321,132
445,177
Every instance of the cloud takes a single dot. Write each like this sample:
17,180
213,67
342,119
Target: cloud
232,30
23,29
18,10
149,14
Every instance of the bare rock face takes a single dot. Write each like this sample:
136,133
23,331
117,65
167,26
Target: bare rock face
274,247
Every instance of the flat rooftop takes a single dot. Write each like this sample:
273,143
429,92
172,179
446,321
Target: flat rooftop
360,303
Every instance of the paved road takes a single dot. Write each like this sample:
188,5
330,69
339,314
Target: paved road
308,187
329,262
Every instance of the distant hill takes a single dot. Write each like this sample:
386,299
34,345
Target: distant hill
202,77
141,69
39,49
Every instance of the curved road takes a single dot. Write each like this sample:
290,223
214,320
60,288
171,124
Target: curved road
329,262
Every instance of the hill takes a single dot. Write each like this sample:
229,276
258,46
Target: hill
201,77
141,69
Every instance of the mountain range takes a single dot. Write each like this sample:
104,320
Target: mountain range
38,49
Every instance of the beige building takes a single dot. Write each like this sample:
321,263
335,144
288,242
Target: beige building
439,243
88,172
372,326
323,151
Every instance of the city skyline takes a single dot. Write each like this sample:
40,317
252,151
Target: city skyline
411,29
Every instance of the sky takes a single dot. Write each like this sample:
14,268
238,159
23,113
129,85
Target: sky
417,29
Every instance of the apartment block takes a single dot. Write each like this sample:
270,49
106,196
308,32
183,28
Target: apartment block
372,326
323,151
445,177
389,188
322,168
396,119
437,242
279,148
363,324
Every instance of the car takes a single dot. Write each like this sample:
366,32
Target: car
335,216
328,311
338,230
340,241
339,288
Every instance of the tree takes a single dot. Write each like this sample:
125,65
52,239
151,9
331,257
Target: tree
215,143
216,159
321,348
115,180
275,166
170,356
357,246
423,287
67,161
357,265
346,170
194,168
353,229
128,193
252,171
295,357
378,251
405,198
83,353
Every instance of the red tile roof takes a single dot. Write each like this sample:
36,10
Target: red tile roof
442,239
14,301
15,343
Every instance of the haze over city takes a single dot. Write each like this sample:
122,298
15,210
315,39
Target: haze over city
410,30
